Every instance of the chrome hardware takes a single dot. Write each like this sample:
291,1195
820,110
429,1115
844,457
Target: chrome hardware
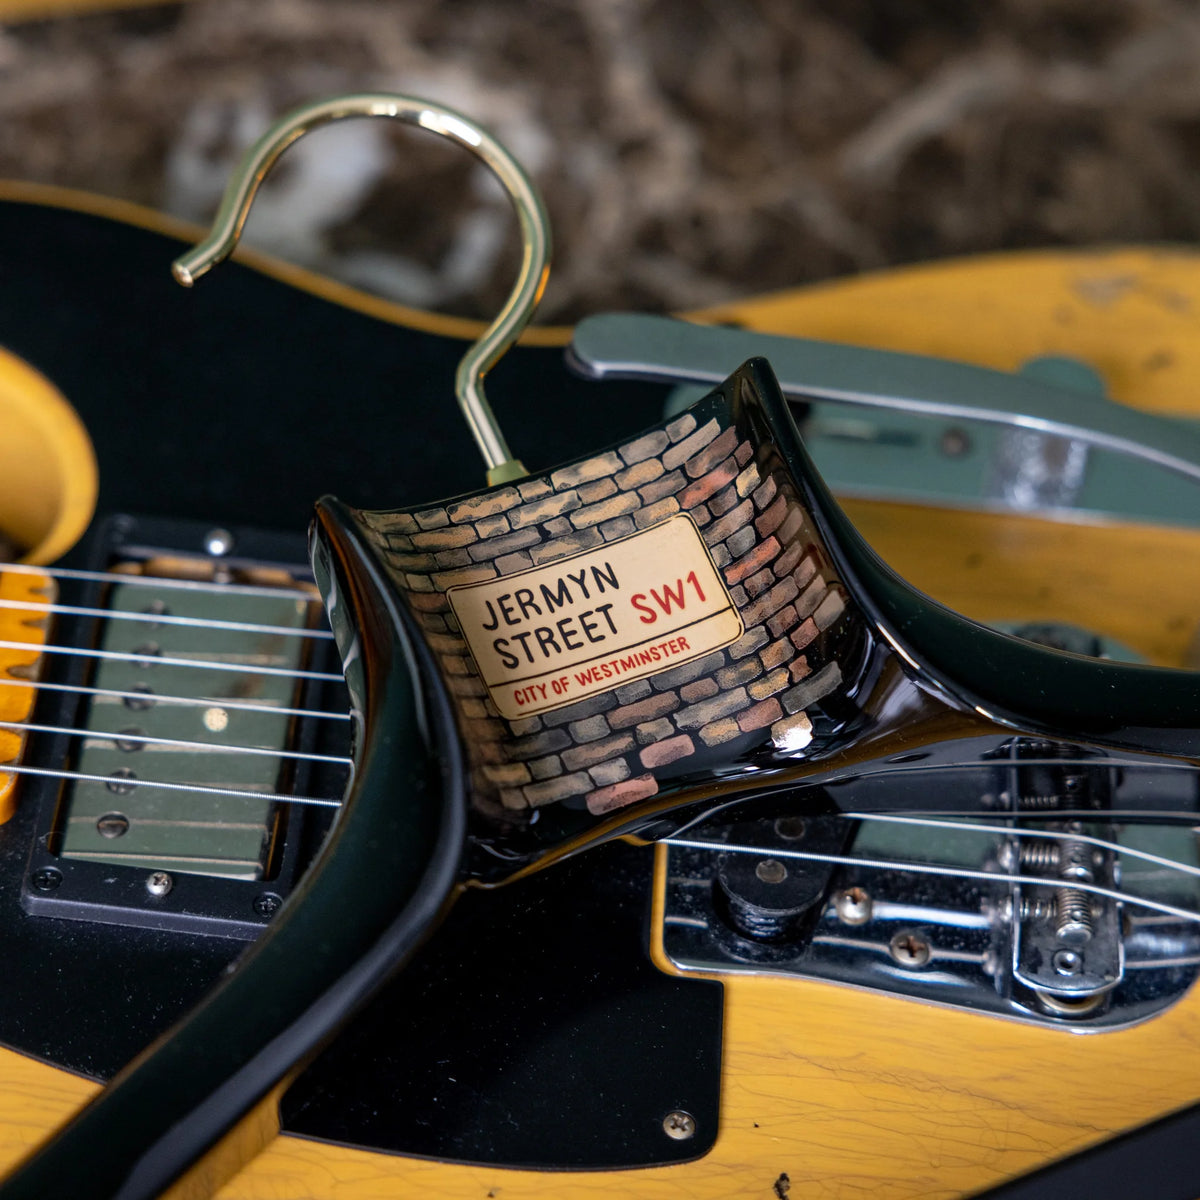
1067,945
679,1125
1039,857
445,122
218,542
159,883
966,455
1014,914
624,345
910,949
854,906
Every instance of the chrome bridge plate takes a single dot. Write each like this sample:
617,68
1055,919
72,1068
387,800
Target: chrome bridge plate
997,945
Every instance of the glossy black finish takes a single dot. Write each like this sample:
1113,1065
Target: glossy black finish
242,401
1026,686
376,890
532,1031
918,680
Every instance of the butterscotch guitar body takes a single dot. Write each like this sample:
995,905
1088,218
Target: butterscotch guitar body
828,1091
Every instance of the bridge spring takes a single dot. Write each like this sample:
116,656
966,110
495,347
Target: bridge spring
1039,908
1038,802
1039,857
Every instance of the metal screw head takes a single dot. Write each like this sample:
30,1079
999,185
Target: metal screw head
679,1125
46,879
771,870
129,741
218,542
909,949
159,883
146,653
121,781
1067,962
854,906
267,904
143,689
113,825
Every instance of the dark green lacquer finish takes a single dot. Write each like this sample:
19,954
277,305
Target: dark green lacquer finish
379,885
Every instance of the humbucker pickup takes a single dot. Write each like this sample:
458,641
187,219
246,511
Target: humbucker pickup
185,747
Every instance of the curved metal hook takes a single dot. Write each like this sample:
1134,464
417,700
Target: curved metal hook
531,212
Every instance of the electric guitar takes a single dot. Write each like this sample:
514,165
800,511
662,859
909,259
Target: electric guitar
543,1038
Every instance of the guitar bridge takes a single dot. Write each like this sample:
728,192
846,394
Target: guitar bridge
1015,913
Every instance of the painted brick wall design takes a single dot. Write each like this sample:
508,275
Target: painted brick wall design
613,749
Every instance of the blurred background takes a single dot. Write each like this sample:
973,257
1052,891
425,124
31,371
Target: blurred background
691,151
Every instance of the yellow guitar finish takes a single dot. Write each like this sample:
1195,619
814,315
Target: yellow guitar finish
48,478
852,1093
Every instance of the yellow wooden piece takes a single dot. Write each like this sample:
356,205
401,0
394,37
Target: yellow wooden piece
16,701
1135,583
1129,313
48,478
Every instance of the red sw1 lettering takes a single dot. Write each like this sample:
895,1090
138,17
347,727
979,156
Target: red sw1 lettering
671,597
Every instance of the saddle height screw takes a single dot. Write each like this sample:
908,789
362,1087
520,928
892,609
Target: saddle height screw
159,883
112,825
854,906
909,950
679,1125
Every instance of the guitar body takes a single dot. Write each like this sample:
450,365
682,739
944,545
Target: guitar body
825,1091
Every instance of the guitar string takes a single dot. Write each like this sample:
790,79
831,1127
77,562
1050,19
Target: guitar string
990,826
148,699
193,585
111,614
919,868
935,820
726,847
161,660
699,844
147,739
164,785
991,830
249,627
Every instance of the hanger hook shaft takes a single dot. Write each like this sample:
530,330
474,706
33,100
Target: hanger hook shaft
531,213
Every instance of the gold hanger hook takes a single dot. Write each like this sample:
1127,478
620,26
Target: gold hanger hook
531,213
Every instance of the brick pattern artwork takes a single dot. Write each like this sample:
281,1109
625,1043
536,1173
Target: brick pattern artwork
618,747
